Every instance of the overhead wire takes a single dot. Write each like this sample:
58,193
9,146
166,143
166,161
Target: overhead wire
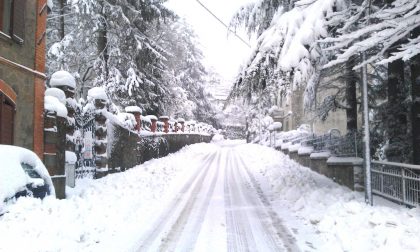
220,21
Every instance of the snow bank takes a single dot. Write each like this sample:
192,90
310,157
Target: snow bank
333,218
51,103
107,214
12,176
62,78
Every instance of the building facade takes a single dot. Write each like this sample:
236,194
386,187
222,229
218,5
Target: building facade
22,73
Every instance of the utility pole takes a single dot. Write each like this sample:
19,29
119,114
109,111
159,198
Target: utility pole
366,133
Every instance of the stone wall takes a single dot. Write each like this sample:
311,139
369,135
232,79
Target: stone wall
127,149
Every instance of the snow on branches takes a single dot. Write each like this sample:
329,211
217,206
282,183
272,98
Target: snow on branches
376,33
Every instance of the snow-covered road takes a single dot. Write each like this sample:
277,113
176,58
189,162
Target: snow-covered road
225,196
220,207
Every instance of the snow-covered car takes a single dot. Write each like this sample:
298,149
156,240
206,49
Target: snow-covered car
22,174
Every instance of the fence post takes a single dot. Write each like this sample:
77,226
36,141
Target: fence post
165,120
403,185
153,120
136,111
182,122
101,159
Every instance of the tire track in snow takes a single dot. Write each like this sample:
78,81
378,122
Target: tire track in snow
239,233
164,218
170,241
198,222
281,231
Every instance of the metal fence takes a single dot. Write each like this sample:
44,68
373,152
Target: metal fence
84,145
397,182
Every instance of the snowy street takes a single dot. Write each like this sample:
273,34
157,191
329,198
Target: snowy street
225,196
220,207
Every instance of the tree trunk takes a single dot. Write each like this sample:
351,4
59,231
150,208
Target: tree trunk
103,41
397,113
415,109
351,98
62,13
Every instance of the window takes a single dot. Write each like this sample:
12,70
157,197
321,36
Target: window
12,19
7,114
6,11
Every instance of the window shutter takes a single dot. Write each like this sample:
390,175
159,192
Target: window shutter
18,25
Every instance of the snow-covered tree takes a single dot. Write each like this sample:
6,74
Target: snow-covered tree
137,50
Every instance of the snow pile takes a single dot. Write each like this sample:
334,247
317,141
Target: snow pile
151,117
127,120
57,93
12,176
338,217
99,215
62,78
51,103
275,126
71,157
97,93
133,109
217,138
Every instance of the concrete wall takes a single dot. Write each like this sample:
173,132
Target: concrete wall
346,171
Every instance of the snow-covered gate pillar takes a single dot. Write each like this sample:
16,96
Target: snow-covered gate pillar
55,148
101,160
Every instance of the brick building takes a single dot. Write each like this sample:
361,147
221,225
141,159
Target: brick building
22,73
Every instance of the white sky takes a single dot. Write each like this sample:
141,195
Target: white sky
225,54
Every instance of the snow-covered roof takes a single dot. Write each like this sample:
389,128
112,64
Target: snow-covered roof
97,93
133,109
13,177
191,122
51,103
152,117
181,120
62,78
164,117
57,93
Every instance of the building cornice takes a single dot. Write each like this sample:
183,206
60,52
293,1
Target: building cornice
15,65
